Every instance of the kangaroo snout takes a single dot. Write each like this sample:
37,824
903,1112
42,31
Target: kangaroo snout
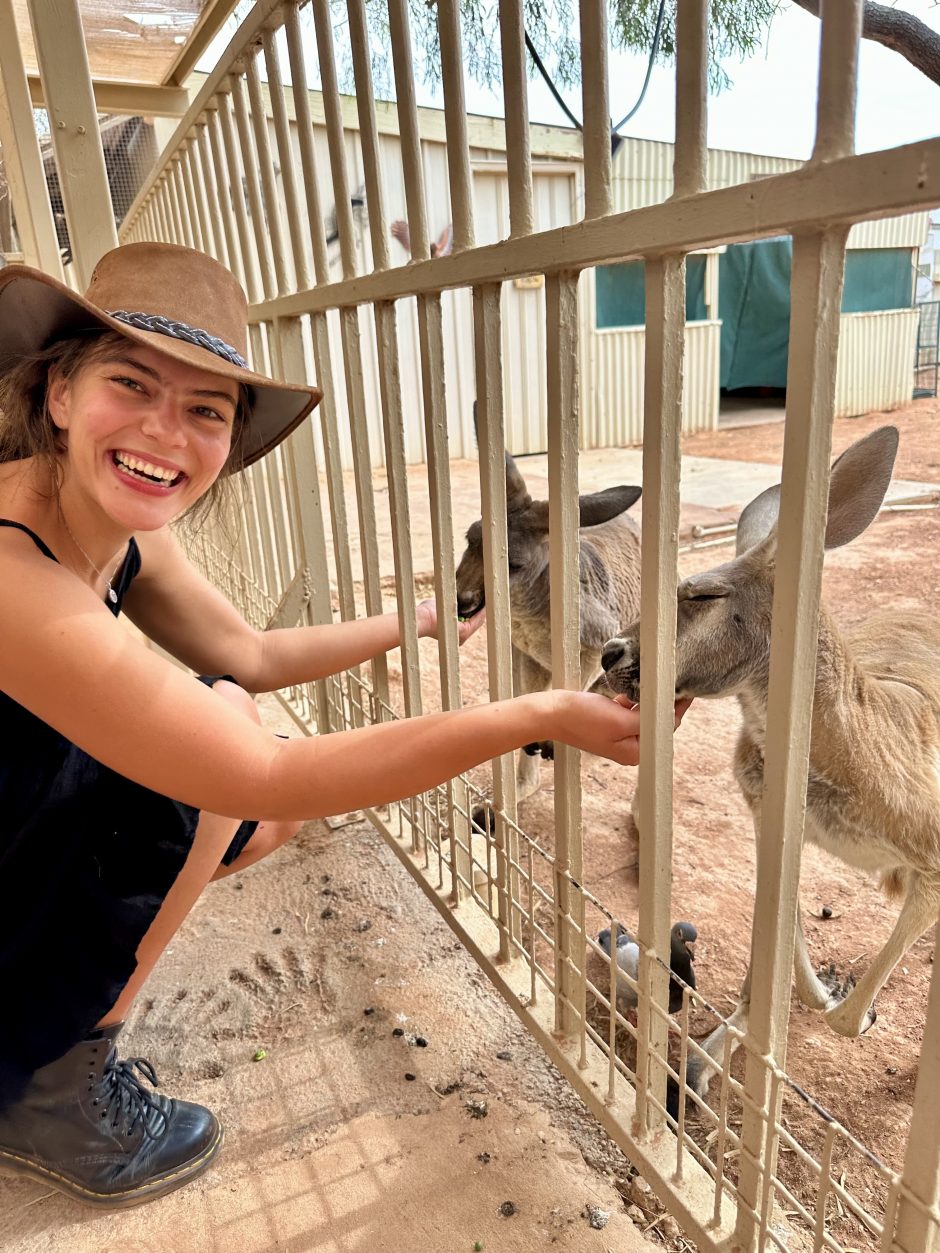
621,664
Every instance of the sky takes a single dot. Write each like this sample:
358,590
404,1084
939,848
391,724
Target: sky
769,107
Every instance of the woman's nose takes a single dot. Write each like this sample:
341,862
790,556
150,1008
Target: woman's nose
161,422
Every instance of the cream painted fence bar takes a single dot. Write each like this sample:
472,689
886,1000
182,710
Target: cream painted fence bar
254,191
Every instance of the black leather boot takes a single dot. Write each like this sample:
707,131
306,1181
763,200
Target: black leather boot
87,1126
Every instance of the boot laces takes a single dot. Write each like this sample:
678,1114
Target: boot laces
127,1101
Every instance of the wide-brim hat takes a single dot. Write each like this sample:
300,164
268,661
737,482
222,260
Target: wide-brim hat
166,297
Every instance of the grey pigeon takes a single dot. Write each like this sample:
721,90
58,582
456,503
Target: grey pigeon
682,937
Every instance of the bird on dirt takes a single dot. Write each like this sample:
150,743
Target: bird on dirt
681,952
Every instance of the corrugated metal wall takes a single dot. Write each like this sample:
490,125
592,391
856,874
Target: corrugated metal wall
611,391
612,379
876,360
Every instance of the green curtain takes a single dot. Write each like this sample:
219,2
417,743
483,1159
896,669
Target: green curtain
620,293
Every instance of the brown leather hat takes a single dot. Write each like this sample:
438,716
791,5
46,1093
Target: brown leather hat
173,299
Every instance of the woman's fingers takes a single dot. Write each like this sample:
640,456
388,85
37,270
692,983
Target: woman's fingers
470,626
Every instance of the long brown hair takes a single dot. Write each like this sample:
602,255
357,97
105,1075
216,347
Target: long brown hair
27,428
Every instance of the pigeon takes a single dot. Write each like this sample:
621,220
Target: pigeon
682,937
440,247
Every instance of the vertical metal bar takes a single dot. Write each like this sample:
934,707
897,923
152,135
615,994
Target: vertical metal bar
561,341
308,161
491,442
665,343
270,207
223,193
173,202
516,111
22,158
334,469
922,1159
189,191
260,226
227,126
838,79
394,430
285,152
431,338
335,135
455,123
212,194
595,108
59,43
410,138
179,190
368,132
691,154
816,288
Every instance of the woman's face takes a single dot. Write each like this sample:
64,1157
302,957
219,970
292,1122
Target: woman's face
146,436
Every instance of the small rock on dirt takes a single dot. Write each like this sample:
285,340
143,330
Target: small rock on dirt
636,1215
641,1193
364,924
476,1109
504,1055
597,1217
508,1208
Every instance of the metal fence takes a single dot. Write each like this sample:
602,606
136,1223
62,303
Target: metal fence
927,355
233,185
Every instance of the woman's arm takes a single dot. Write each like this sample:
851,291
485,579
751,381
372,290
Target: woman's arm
177,607
63,656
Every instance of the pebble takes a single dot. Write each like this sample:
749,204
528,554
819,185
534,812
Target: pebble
326,913
508,1208
476,1109
421,1042
409,1076
398,1030
641,1192
369,1009
364,924
597,1217
826,911
636,1215
483,1157
275,930
504,1055
669,1227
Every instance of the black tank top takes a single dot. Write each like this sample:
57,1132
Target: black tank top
130,566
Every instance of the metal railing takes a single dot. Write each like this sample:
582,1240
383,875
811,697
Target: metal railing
248,181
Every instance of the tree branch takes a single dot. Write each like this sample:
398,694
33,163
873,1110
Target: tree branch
901,32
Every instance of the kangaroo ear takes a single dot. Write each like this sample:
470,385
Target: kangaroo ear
758,519
517,497
857,484
598,507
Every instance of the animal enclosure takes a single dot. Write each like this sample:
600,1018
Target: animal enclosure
524,906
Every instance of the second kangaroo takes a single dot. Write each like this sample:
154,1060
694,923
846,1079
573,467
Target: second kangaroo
610,588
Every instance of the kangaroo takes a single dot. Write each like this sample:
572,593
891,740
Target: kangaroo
873,787
610,589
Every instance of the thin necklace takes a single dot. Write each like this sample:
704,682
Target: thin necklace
112,594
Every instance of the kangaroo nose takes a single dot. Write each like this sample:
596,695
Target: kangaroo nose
612,654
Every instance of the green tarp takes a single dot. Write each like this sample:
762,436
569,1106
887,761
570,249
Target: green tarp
754,301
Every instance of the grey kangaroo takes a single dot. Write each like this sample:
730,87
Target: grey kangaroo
873,788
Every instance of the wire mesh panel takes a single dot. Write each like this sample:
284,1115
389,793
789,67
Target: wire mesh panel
741,1154
927,359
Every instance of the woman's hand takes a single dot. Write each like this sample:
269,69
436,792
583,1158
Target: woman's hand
426,615
597,724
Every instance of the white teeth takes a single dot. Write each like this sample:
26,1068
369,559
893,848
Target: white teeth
141,468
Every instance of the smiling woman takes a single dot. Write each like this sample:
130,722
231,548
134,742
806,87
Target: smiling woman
123,782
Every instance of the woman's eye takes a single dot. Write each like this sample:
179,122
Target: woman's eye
204,411
127,382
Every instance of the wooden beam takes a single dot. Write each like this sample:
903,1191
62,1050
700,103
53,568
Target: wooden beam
21,156
130,99
211,20
73,121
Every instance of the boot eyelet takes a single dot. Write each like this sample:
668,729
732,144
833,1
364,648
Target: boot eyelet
104,1113
95,1101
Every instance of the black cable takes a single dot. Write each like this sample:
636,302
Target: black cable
551,86
649,69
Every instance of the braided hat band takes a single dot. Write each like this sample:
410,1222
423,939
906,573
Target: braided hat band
179,330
